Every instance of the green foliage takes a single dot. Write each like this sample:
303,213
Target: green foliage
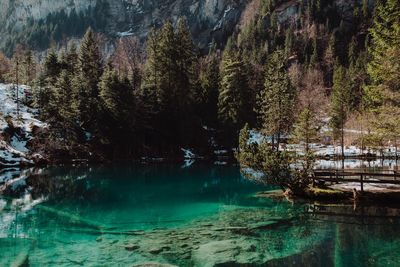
170,81
209,80
275,106
289,42
340,101
384,67
180,92
118,109
66,110
276,167
358,78
233,102
90,69
305,129
28,67
51,66
314,57
382,96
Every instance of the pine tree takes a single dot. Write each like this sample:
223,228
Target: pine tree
29,67
86,84
340,103
45,89
152,74
276,102
382,96
233,98
352,51
358,77
119,111
185,64
166,91
116,96
66,111
72,59
289,41
314,56
51,66
209,80
305,129
365,9
330,55
384,68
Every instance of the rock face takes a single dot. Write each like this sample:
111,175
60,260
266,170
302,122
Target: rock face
207,19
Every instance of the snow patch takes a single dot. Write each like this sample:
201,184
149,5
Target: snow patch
188,154
21,117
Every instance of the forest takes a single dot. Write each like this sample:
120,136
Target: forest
288,80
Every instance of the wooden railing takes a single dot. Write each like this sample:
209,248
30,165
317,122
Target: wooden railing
335,176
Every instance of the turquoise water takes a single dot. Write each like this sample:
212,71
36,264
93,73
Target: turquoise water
200,216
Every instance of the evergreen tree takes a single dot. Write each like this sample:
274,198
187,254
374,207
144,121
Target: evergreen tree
166,91
305,129
152,74
185,65
118,109
358,77
66,111
233,109
86,84
384,67
29,67
45,93
382,95
314,56
276,102
72,59
209,80
365,9
352,51
51,66
116,96
340,103
289,41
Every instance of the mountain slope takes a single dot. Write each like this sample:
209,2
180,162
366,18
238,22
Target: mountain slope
41,22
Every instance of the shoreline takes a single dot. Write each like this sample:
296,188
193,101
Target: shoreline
327,195
165,159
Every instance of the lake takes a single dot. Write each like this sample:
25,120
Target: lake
204,215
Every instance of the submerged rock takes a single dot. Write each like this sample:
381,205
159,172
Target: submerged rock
231,251
132,247
159,250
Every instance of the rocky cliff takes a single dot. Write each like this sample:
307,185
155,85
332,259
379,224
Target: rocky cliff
208,19
38,23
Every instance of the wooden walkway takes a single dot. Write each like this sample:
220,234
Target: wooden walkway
334,176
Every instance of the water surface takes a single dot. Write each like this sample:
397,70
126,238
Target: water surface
199,216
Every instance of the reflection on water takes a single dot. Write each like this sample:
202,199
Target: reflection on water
201,216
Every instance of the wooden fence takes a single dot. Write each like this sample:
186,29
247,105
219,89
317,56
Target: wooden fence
334,176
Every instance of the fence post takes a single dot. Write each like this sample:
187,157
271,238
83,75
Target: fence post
362,183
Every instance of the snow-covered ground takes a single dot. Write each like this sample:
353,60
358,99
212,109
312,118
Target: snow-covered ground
322,150
15,151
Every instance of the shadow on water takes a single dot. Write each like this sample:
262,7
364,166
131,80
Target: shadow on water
199,216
